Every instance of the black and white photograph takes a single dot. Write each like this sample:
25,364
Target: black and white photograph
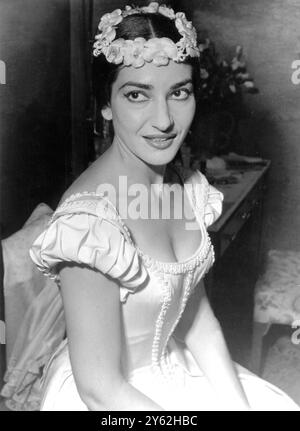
150,200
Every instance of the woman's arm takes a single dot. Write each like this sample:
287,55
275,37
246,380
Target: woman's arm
93,318
201,332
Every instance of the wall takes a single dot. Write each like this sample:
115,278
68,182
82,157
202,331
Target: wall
34,105
269,32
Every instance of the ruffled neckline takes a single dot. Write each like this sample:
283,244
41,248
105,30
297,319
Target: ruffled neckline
175,267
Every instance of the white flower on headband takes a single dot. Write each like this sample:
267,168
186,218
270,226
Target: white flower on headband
160,50
110,19
151,8
107,37
185,27
136,52
114,53
133,52
166,11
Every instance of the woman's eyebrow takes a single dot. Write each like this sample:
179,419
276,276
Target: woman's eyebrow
136,84
150,87
182,83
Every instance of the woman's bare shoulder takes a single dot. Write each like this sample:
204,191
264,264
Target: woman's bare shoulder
96,174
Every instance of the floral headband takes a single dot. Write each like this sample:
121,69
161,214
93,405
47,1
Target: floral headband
138,51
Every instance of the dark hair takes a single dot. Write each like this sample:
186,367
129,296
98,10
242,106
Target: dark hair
148,26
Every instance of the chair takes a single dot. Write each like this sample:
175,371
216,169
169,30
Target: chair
22,281
34,319
276,299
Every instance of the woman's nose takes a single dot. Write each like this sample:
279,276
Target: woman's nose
162,117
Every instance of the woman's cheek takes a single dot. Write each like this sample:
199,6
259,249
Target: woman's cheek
133,111
192,111
185,114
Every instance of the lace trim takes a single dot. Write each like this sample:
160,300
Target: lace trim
178,267
200,255
107,211
189,264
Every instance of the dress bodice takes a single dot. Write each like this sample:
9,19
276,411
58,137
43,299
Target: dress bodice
87,229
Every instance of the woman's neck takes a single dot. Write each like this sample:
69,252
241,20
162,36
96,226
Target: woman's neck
134,168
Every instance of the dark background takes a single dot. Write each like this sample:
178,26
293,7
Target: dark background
35,134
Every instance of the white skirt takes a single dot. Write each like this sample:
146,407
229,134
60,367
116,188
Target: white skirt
180,390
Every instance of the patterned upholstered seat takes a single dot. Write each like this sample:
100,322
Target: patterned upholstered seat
276,298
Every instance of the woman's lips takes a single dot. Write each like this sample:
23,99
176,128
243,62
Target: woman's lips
160,141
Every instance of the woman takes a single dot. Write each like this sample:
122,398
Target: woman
140,332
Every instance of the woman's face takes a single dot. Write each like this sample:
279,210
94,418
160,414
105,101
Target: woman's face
152,109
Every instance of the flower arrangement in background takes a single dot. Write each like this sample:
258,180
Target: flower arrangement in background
216,127
222,79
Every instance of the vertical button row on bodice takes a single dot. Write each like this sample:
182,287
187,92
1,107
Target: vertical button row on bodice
159,359
166,301
188,285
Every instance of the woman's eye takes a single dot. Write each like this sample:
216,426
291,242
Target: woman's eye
181,94
135,96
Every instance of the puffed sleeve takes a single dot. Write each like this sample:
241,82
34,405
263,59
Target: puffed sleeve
214,205
90,240
209,199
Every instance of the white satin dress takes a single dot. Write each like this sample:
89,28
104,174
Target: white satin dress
87,229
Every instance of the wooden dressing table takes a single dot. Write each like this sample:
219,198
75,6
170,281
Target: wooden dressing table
241,202
236,237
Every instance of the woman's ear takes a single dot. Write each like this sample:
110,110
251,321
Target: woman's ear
106,113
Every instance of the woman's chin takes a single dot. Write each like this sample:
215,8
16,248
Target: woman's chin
163,157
